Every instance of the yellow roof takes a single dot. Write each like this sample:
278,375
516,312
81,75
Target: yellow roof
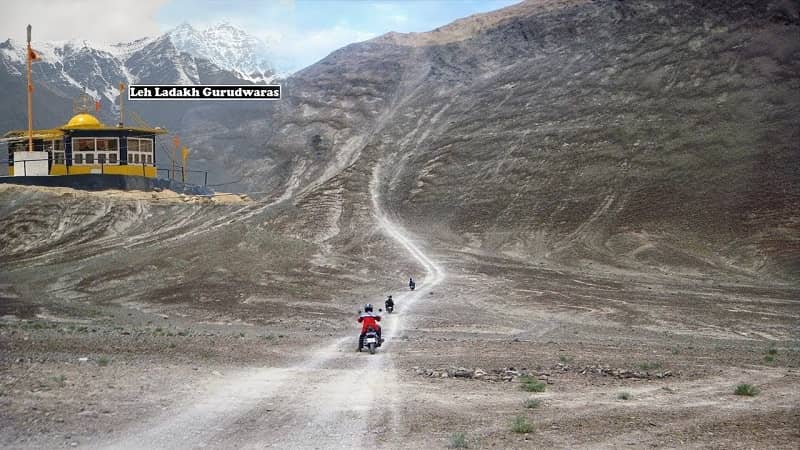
83,120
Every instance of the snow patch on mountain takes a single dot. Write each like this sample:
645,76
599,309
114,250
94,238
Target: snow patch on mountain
228,47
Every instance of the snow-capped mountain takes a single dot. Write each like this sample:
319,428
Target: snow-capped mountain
94,66
221,54
228,47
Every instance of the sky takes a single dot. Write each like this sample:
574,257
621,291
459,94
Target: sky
299,32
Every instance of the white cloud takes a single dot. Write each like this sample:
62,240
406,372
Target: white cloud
300,49
95,20
398,19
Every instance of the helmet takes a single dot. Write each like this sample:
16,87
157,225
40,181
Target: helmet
368,307
390,296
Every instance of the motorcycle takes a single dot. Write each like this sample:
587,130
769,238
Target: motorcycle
389,309
371,341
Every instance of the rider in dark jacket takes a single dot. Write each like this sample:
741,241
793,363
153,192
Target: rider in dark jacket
389,303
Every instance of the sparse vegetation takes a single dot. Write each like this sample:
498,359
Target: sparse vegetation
566,359
650,366
35,325
532,403
59,380
521,425
458,440
103,361
773,351
746,389
531,384
769,358
625,395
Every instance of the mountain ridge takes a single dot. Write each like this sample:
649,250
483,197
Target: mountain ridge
583,136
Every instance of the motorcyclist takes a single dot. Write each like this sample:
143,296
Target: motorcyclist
389,303
411,284
368,319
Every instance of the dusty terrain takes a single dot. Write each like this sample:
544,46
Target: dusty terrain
156,374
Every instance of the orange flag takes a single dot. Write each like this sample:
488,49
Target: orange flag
32,54
97,105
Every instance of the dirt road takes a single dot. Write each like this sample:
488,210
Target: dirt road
333,398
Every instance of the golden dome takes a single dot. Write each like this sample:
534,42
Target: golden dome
83,120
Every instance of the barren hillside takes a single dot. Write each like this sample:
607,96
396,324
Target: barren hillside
633,136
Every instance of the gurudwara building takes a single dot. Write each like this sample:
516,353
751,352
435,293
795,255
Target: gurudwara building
83,145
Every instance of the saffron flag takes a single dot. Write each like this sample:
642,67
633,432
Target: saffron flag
97,105
32,54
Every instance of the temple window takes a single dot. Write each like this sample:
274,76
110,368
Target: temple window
140,151
58,152
104,150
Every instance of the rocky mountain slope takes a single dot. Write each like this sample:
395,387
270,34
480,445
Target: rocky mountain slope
641,136
635,137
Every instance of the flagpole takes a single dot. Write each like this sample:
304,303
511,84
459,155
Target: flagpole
30,95
121,103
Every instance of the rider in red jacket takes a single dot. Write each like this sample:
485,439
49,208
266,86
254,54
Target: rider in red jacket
367,319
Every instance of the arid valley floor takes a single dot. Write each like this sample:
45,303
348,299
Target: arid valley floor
138,373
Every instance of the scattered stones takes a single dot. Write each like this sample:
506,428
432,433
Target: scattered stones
460,372
506,374
509,374
615,372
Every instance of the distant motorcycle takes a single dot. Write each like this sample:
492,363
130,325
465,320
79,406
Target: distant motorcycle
411,284
389,308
